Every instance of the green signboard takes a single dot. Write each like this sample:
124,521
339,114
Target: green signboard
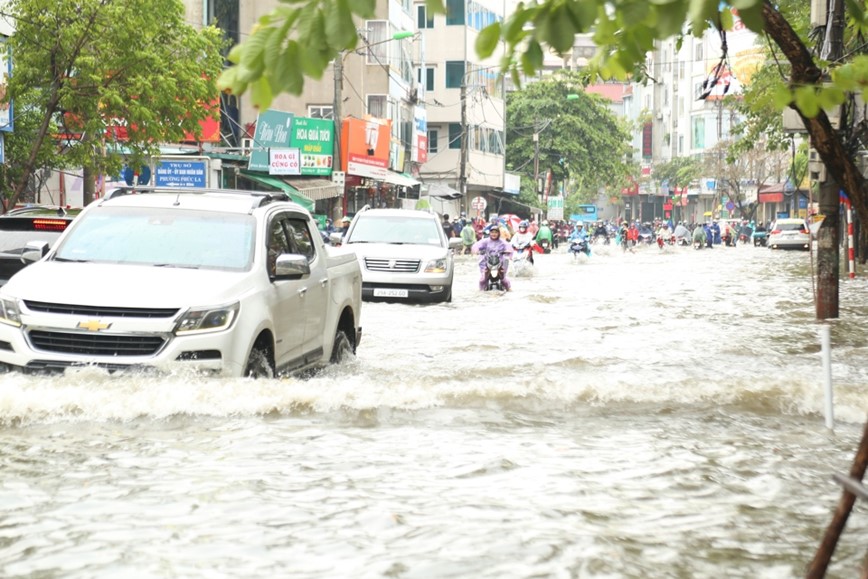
314,138
272,130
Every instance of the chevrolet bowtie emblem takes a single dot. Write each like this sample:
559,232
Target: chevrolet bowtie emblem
93,326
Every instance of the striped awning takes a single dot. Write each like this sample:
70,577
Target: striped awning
315,189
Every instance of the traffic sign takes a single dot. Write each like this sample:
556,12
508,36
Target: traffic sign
478,203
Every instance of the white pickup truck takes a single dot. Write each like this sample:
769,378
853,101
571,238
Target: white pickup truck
234,283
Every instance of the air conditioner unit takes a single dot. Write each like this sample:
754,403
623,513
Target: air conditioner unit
246,146
816,167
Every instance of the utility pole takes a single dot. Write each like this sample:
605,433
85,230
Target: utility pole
536,163
336,108
462,169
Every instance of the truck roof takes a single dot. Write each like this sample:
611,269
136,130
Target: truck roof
219,200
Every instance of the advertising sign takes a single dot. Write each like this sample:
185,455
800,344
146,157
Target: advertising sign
555,208
272,130
182,173
366,146
314,138
6,123
284,162
419,153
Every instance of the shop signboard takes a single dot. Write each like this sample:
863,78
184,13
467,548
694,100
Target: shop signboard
272,130
314,139
182,172
555,208
284,161
366,146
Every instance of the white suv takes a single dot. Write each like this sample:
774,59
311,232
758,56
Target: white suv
403,254
236,283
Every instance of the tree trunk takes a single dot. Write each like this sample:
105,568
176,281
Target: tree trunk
828,253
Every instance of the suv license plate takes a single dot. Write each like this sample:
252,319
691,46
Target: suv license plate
390,293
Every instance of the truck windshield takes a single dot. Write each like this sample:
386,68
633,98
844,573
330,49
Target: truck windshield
176,238
392,229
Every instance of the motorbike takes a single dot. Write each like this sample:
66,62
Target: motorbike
522,260
760,237
495,268
546,246
578,246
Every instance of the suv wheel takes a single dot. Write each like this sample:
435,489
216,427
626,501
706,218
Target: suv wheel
342,350
259,364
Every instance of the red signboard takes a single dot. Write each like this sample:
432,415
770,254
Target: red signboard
647,140
771,197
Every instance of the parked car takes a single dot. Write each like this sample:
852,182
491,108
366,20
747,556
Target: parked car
234,283
403,254
789,233
36,223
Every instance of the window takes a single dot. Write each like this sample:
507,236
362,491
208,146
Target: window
455,12
320,111
300,238
454,73
375,40
698,53
698,133
378,106
422,18
454,135
425,77
432,141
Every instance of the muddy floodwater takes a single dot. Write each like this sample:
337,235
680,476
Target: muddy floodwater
636,415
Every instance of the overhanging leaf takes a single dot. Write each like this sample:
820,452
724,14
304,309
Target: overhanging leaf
487,40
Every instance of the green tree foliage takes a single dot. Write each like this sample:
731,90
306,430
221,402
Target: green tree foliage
87,71
580,139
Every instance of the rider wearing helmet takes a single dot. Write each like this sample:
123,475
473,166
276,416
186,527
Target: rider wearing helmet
492,244
522,240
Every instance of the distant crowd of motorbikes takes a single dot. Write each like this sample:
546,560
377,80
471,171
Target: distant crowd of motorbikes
580,238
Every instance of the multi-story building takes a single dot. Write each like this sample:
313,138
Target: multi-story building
371,87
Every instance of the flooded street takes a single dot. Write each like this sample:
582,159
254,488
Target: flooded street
648,414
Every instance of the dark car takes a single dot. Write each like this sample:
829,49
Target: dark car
24,225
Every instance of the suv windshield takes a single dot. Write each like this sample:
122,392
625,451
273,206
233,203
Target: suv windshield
394,229
175,238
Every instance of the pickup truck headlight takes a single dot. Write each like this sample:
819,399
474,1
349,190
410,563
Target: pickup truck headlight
9,313
436,266
201,320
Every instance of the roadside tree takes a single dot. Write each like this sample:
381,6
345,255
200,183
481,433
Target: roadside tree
580,140
98,84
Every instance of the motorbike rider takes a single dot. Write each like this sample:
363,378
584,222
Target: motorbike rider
522,240
545,234
579,234
493,244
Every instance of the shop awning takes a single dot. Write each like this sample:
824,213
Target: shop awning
315,189
279,185
401,179
443,191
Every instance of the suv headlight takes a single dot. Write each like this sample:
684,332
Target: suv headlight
9,312
201,320
436,266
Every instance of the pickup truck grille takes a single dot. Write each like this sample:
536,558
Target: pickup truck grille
100,311
95,344
394,265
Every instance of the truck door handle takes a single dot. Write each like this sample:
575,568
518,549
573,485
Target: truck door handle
302,292
324,281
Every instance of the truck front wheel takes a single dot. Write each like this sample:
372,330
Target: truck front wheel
259,363
342,350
